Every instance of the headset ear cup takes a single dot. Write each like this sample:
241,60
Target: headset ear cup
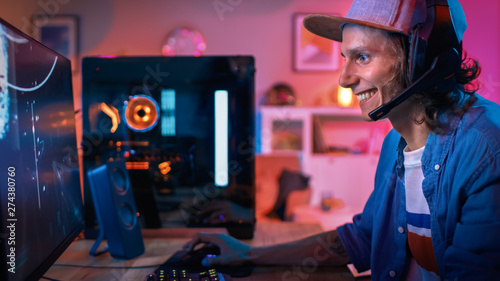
435,38
434,57
417,55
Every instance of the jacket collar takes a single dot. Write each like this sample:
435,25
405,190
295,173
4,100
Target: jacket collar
437,146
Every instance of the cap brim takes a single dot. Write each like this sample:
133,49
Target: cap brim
330,27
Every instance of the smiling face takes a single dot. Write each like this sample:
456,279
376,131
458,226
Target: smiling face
370,68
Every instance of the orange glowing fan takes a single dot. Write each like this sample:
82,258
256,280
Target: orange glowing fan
141,113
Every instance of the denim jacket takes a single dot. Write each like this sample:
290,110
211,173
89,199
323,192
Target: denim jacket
461,186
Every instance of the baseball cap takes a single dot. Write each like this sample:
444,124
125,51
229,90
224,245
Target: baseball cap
399,16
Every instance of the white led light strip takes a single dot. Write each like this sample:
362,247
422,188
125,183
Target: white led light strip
221,138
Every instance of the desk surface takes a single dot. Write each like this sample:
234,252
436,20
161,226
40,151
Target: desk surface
76,264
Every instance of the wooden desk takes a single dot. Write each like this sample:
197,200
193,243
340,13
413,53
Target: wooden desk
160,244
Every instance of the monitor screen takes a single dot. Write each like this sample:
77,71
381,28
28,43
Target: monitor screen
41,203
185,128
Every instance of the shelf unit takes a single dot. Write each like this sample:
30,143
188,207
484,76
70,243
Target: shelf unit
336,147
277,121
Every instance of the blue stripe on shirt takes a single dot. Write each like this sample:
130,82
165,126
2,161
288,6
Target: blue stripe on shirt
419,220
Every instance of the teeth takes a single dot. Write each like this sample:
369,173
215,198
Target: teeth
365,96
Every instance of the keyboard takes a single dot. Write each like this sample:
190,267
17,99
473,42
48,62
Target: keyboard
176,268
170,273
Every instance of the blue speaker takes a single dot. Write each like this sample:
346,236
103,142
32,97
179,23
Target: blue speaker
116,211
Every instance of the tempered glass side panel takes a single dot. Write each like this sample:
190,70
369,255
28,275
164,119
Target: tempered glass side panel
164,117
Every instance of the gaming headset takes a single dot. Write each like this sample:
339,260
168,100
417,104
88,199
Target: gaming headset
434,57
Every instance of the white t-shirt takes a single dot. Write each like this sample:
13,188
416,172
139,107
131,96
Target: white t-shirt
423,265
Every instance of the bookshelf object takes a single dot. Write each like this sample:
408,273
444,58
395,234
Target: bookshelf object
336,148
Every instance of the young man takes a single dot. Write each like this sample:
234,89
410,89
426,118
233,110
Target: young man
434,212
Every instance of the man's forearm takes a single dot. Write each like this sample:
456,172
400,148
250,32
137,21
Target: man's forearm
322,249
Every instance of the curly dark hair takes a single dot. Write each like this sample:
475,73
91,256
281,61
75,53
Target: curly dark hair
436,104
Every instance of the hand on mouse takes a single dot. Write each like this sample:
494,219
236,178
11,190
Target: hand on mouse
232,251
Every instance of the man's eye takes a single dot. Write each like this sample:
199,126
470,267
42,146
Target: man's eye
363,58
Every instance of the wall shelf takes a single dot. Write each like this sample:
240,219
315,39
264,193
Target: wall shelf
337,148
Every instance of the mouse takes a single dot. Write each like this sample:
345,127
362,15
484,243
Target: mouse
192,260
194,257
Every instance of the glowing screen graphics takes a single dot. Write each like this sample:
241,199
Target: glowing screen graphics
38,148
4,91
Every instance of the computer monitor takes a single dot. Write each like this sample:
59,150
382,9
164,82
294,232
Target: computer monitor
41,204
184,126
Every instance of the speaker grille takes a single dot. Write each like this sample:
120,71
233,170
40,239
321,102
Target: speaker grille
128,215
119,180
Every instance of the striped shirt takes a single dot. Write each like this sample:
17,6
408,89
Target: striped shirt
424,265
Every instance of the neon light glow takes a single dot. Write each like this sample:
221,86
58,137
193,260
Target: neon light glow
344,96
113,113
132,143
165,167
137,165
168,112
141,113
221,138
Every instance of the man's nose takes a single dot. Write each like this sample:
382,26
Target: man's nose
347,76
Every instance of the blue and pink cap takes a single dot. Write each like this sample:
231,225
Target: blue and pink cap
400,16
